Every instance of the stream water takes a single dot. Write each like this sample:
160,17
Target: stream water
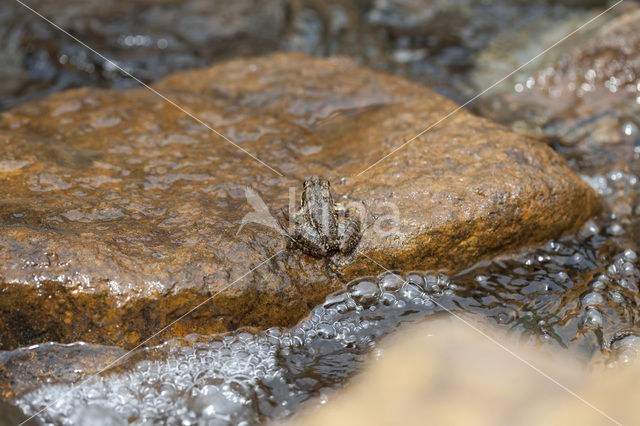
578,294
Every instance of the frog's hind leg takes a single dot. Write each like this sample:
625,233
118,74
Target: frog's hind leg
350,232
308,240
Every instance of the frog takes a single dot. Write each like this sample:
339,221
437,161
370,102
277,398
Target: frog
317,228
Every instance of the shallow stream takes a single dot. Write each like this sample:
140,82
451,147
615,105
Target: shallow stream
579,293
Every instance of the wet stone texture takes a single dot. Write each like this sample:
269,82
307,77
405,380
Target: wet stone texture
589,96
434,42
119,213
21,369
148,38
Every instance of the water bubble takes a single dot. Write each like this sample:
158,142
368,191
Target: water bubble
416,280
616,297
162,43
342,308
630,255
443,281
625,346
628,269
530,82
391,282
325,331
411,291
593,319
432,284
628,285
387,299
400,304
629,129
427,302
365,293
592,299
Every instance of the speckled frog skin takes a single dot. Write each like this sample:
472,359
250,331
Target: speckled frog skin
316,228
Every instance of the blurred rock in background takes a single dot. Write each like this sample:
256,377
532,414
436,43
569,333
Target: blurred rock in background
436,42
448,373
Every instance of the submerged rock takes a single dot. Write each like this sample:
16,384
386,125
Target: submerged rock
121,214
11,415
149,39
434,42
26,369
588,96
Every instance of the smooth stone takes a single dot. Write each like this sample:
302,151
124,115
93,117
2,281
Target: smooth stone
126,213
447,373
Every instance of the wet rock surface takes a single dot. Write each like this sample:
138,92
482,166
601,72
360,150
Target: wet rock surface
25,369
433,42
590,95
120,213
147,38
238,377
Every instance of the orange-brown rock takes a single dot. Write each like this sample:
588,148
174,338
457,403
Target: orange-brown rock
119,213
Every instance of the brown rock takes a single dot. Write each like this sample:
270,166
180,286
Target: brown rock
119,213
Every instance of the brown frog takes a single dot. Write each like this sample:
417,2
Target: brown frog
316,228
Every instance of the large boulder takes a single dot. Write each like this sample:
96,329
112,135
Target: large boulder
120,213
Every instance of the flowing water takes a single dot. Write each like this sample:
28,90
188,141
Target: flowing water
579,293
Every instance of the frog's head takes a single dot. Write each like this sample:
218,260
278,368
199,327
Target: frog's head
317,182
